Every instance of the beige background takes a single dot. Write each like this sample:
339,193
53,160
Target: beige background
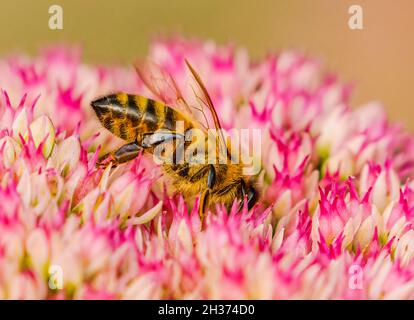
378,59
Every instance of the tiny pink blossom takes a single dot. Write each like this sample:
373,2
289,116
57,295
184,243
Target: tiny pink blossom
334,219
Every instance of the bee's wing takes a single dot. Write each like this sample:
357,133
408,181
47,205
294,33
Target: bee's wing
161,84
164,87
205,107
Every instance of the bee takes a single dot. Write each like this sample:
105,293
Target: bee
146,124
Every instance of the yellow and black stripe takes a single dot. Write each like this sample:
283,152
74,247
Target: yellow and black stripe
127,115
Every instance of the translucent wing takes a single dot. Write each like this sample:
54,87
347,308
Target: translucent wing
205,105
161,84
164,87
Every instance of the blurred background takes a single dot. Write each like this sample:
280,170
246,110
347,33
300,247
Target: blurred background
377,59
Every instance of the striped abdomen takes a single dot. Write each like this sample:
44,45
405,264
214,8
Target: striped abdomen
127,115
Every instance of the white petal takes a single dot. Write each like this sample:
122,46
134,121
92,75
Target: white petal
147,216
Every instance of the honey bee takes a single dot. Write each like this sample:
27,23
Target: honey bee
146,124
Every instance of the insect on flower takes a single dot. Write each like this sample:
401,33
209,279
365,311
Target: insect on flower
178,132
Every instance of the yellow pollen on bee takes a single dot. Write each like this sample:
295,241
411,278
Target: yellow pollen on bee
122,98
141,103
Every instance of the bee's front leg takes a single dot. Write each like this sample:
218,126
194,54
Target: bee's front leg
205,196
125,153
250,194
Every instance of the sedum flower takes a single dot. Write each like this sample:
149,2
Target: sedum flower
334,219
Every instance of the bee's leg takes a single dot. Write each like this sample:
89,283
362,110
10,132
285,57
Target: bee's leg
125,153
205,196
251,195
243,192
152,139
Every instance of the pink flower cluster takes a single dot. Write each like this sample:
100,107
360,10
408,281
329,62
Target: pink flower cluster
334,221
